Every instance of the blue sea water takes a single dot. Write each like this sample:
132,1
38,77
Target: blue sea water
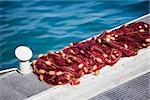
51,25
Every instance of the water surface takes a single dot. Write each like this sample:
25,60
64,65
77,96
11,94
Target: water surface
45,25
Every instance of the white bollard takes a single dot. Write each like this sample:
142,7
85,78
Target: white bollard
24,54
25,67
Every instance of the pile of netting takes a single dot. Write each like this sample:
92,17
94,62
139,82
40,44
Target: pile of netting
71,63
